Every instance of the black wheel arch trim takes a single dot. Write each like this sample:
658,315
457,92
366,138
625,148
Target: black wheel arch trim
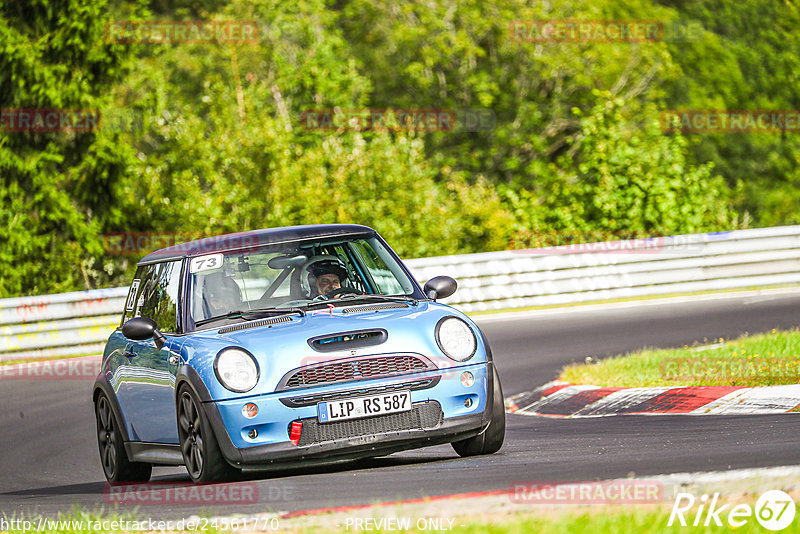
101,384
488,410
188,375
486,346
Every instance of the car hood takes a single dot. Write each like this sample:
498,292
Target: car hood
284,346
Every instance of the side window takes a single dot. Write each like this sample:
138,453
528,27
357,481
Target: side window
380,274
159,295
154,294
133,295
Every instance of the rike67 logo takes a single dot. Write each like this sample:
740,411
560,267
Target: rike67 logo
774,510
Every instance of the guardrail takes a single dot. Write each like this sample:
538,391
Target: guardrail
619,269
66,324
79,323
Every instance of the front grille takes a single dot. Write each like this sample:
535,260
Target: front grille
253,324
355,369
422,416
374,307
310,400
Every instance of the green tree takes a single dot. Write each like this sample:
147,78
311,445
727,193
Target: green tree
747,58
225,149
620,180
57,189
221,146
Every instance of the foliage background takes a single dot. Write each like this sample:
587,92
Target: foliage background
203,139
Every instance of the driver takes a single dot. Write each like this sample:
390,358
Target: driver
329,276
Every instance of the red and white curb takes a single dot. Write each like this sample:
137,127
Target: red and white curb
562,399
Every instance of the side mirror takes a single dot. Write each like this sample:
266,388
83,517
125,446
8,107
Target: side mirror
141,328
440,287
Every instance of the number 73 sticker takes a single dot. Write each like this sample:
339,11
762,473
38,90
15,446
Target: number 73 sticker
205,263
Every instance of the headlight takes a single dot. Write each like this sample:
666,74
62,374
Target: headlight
236,370
456,338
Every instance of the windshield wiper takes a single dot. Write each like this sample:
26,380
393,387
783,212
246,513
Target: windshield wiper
390,298
243,314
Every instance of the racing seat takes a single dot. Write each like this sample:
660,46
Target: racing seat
220,294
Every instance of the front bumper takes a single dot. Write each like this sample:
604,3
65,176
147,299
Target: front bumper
272,448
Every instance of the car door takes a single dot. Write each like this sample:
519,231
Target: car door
146,377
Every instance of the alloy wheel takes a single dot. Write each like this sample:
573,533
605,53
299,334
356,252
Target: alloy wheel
191,435
107,437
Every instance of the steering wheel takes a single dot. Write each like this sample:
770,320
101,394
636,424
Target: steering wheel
338,292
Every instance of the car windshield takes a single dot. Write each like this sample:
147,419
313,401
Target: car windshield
239,285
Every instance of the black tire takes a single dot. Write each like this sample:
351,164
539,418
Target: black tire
201,453
116,465
491,439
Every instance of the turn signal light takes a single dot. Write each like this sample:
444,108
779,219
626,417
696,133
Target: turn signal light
249,410
467,379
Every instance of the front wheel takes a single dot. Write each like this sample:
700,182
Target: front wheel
491,439
116,465
201,453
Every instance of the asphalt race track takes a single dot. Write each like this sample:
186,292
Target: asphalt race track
49,459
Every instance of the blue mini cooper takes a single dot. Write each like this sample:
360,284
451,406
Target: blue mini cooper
288,347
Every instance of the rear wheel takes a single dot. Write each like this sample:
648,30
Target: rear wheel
201,453
491,439
116,465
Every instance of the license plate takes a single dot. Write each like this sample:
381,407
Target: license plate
339,410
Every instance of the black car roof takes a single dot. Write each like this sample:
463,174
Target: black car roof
254,238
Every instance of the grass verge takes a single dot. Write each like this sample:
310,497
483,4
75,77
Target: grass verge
621,520
604,521
752,360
